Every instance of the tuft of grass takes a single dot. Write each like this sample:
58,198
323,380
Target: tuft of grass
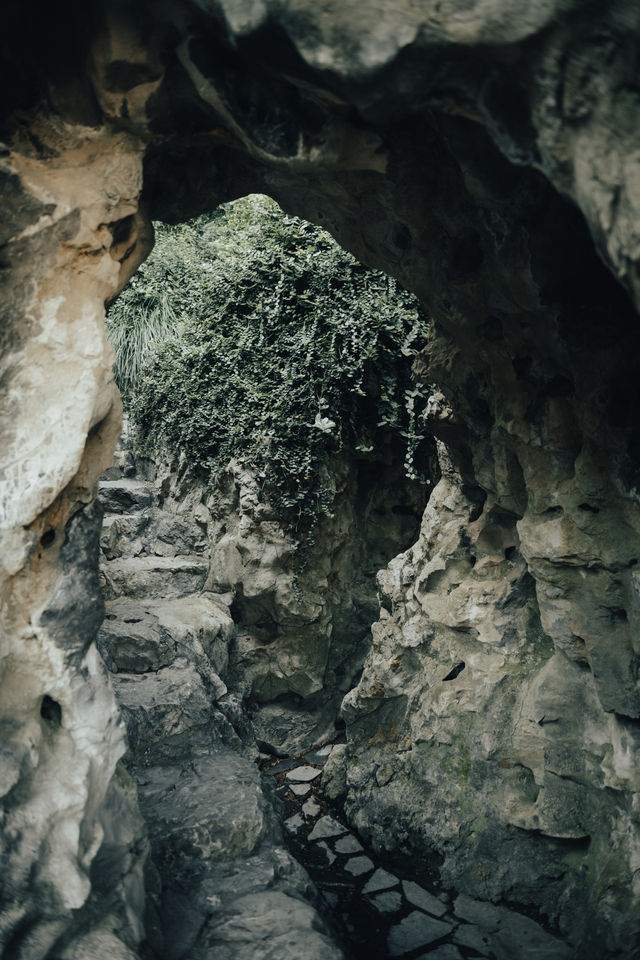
141,323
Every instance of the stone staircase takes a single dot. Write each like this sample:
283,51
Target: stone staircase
219,878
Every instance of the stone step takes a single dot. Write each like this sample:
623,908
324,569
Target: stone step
149,577
210,807
123,465
125,495
139,637
122,535
168,713
153,532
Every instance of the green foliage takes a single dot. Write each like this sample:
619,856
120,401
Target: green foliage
255,336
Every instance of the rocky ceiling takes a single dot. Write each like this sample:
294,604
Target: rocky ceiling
484,152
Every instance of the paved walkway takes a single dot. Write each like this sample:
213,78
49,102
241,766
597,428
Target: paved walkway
382,913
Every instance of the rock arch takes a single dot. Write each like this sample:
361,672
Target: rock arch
485,155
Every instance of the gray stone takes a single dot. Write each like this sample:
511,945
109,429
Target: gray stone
326,827
416,930
421,898
125,495
518,604
388,902
300,789
508,933
131,639
273,926
381,880
348,845
311,808
303,774
209,808
359,865
477,938
148,577
334,774
293,824
164,710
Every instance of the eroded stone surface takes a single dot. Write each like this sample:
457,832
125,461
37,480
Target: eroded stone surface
217,867
462,148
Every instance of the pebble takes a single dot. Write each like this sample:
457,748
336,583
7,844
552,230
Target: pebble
300,789
388,902
420,897
326,827
325,751
303,774
311,808
416,930
348,844
381,880
359,865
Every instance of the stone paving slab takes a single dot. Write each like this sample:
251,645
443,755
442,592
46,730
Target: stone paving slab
357,866
383,915
416,930
389,901
294,823
300,789
327,827
348,845
381,880
303,774
311,808
421,898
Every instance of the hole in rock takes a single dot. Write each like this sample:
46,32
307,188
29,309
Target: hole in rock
510,553
467,254
618,615
454,672
553,511
47,538
51,711
588,508
121,230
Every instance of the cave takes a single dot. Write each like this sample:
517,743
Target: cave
486,156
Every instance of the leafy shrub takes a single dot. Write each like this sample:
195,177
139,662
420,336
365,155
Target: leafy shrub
251,334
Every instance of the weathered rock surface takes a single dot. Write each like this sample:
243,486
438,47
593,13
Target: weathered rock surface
218,877
486,154
302,628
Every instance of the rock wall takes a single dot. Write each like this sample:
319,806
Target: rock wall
215,863
303,618
486,154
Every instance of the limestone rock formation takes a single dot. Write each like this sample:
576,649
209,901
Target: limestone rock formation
303,618
485,154
218,876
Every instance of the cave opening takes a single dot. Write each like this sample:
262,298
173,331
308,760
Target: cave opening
267,383
488,162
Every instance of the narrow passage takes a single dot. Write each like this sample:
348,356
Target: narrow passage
382,910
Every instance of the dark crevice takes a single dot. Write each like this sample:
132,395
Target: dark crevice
51,711
454,672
